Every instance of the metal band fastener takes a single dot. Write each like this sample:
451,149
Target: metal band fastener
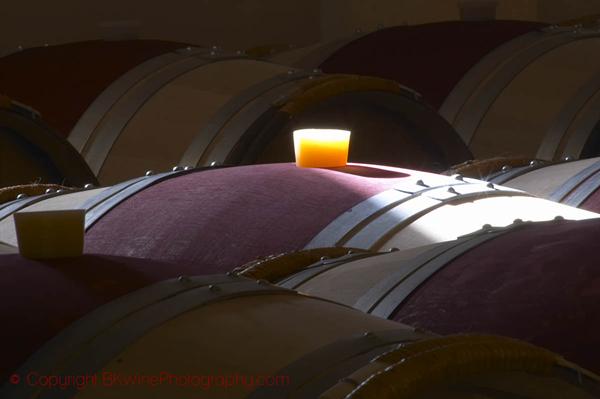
384,298
352,221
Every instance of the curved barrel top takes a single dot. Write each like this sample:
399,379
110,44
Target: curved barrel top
430,58
30,151
40,298
224,218
62,81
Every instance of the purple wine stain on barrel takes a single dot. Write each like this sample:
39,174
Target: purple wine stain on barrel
540,284
429,58
592,203
41,298
224,218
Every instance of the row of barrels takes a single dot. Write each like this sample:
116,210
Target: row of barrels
423,97
196,271
195,107
465,258
256,341
509,88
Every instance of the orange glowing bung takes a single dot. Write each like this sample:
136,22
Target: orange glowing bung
321,148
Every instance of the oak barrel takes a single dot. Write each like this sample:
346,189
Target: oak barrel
31,152
510,88
533,281
153,105
174,338
221,218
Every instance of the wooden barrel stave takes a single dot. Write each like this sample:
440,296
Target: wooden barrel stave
573,128
513,113
490,87
192,216
175,108
220,103
412,54
550,302
31,152
544,182
512,281
63,326
72,75
457,100
61,291
162,327
241,131
481,94
111,95
427,372
573,183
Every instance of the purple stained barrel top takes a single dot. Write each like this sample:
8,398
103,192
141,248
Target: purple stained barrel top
592,203
540,284
62,81
221,219
429,58
40,298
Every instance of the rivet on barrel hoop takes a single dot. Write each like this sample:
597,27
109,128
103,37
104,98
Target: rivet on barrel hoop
393,249
486,226
48,191
177,168
451,190
568,158
183,279
149,173
518,221
421,183
490,185
534,162
558,217
506,168
21,196
214,288
88,186
323,258
458,177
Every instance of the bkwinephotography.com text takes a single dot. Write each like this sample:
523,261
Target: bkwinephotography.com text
109,379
